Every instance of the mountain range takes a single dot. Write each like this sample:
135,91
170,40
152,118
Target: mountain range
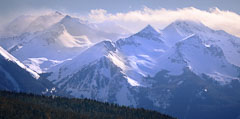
187,69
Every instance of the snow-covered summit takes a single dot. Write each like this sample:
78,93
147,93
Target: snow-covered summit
181,29
201,58
58,13
149,33
68,18
44,21
189,25
148,30
59,35
30,23
89,55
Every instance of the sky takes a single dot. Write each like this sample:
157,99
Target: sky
14,7
217,14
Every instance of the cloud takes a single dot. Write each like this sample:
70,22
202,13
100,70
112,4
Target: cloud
135,20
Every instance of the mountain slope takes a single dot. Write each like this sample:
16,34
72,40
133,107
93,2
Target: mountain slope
30,23
42,46
145,70
191,53
44,49
191,96
77,27
94,74
140,52
179,30
186,69
117,54
17,77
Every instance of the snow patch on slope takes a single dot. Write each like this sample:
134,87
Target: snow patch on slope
41,65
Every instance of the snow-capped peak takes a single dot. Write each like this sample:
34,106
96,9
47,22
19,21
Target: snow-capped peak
149,31
58,35
90,55
67,19
187,23
187,27
43,22
58,13
196,53
143,37
181,29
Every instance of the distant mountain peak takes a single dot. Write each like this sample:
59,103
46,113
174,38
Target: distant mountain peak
66,18
149,33
181,29
58,13
52,14
187,26
148,29
56,28
69,19
186,22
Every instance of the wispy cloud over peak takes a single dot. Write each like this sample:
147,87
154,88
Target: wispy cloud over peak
160,18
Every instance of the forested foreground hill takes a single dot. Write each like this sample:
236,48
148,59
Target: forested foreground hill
26,106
